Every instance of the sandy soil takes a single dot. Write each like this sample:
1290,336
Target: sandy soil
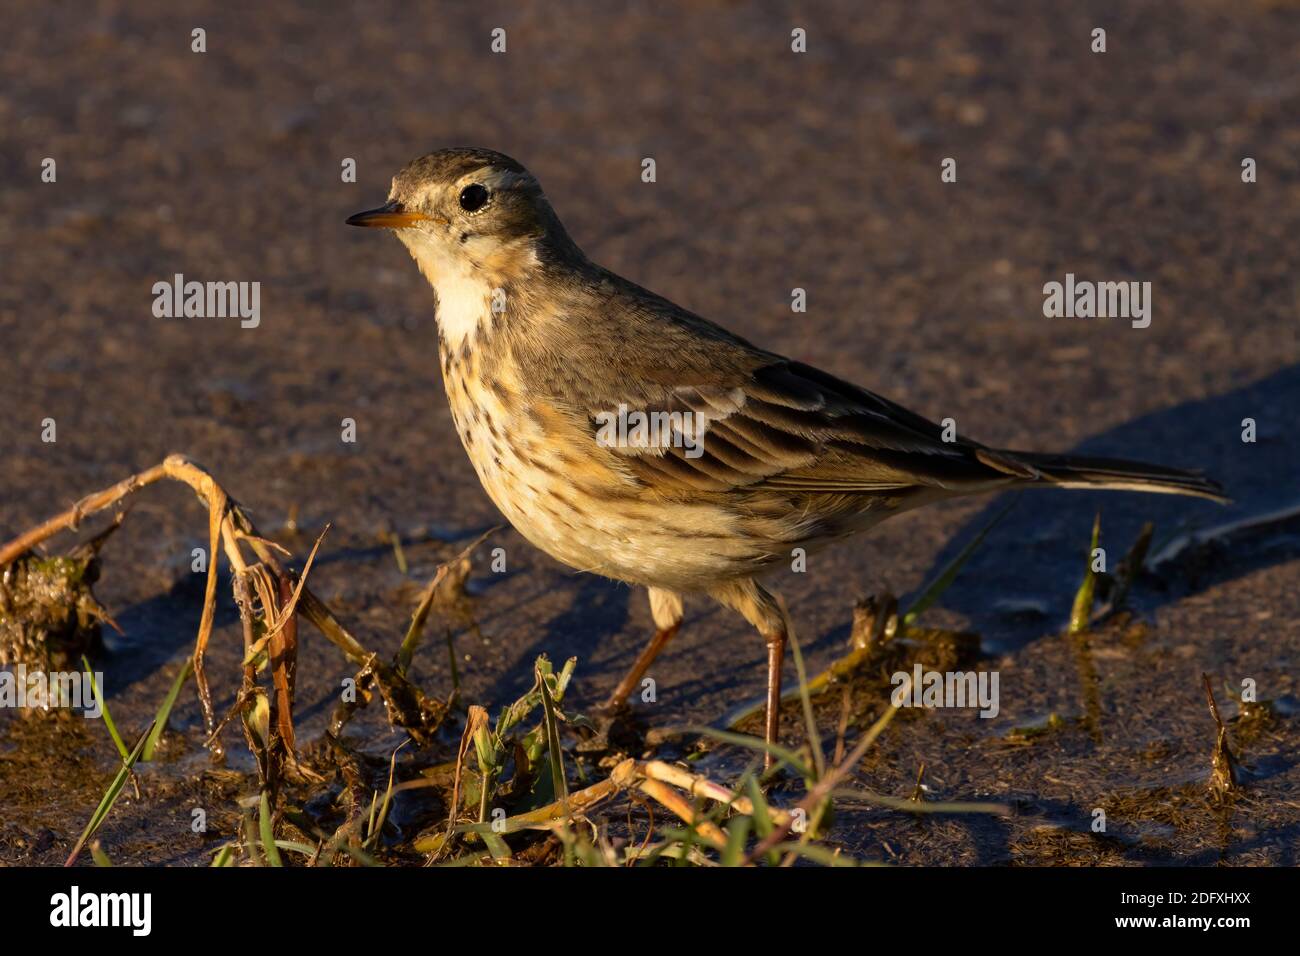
774,170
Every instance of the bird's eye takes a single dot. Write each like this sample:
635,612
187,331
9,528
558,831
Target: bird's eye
472,197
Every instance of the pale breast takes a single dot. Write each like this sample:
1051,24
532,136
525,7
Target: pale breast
570,497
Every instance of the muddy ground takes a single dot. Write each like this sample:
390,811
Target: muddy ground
774,171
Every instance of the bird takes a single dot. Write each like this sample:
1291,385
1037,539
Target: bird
752,455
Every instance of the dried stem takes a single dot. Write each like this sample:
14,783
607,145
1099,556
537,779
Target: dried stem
230,527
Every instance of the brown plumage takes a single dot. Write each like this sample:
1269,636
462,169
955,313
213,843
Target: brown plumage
540,347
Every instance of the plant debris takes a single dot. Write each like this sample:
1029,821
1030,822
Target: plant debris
49,615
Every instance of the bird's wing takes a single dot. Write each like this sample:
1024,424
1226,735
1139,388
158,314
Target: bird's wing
736,418
788,426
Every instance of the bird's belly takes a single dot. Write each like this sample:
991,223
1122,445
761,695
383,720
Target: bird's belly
553,490
630,540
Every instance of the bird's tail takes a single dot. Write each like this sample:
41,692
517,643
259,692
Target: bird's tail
1076,471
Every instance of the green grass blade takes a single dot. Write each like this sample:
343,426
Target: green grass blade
496,846
109,798
561,788
293,846
388,795
225,856
1081,613
852,795
266,831
817,854
814,738
164,711
934,590
737,835
762,817
762,746
103,707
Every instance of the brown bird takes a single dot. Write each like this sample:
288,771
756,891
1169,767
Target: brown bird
625,435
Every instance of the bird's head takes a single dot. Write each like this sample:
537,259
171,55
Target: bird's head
479,227
468,208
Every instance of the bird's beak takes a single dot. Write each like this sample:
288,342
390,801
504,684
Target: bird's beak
390,216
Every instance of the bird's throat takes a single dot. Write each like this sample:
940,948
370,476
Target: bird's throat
463,290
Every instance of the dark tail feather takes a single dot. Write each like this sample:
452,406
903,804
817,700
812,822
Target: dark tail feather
1075,471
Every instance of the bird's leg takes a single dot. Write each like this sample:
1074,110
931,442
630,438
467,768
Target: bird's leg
633,677
764,610
772,722
666,609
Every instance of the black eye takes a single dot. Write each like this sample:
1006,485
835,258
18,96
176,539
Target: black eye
472,197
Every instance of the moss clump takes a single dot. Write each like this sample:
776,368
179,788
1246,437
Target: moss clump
49,616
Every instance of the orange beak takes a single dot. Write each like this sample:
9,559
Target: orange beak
390,216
